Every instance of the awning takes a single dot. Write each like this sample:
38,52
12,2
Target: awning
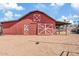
59,23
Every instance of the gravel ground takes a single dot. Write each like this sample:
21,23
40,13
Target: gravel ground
32,45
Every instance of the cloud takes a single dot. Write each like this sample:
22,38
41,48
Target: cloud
7,11
63,17
70,18
75,5
56,4
10,6
9,15
75,16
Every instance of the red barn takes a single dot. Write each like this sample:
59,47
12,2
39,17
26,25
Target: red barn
34,23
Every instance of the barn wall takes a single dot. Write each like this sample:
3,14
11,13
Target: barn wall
7,27
18,27
8,24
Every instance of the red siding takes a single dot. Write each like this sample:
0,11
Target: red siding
8,24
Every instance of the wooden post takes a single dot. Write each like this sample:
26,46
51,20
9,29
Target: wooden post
45,29
59,30
37,29
1,29
66,30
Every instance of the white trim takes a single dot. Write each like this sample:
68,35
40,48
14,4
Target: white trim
26,28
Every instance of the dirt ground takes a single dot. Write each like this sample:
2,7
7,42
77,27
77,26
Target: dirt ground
54,45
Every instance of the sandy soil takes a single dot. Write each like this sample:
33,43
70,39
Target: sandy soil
55,45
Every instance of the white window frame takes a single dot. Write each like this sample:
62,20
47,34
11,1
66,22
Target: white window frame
37,16
26,27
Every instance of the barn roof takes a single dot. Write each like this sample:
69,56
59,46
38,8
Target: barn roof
59,23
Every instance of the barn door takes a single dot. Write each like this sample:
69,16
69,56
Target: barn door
30,29
45,29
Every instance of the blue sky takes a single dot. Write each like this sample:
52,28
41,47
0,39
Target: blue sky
58,11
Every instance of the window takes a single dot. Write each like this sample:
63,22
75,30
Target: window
26,28
36,17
